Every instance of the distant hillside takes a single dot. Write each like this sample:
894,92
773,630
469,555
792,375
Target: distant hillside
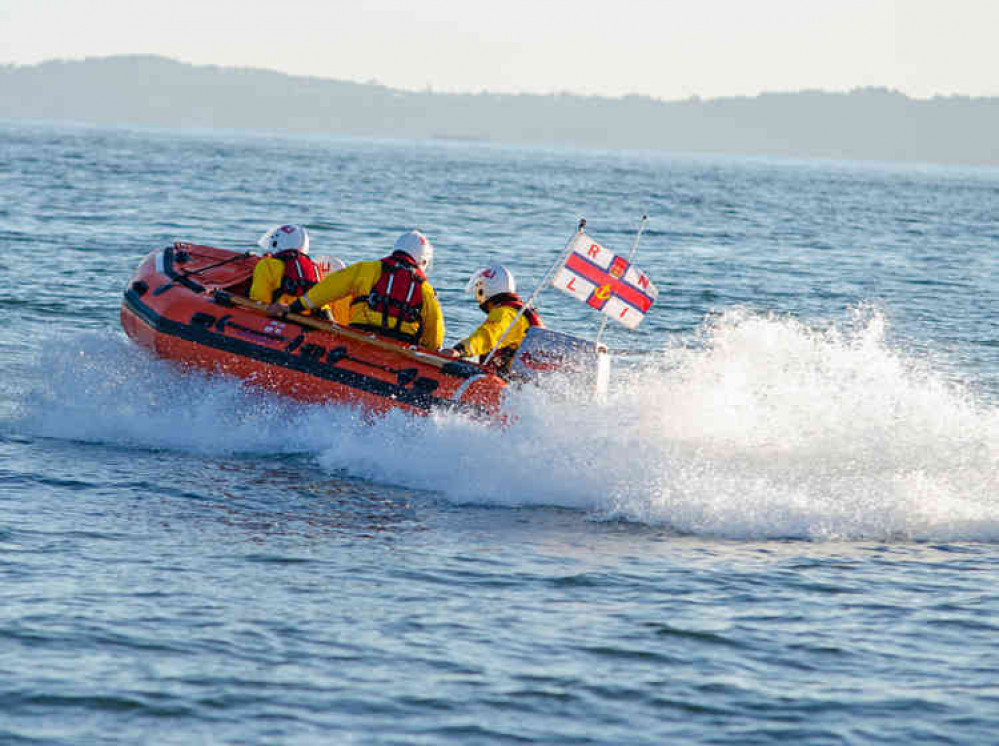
864,124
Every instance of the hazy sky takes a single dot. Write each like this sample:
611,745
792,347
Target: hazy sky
662,48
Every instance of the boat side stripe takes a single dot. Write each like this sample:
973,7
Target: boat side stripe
460,392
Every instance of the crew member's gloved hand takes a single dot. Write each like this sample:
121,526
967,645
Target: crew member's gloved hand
277,310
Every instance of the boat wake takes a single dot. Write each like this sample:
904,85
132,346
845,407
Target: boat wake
761,427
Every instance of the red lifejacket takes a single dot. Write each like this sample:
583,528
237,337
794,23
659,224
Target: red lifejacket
398,295
512,300
300,273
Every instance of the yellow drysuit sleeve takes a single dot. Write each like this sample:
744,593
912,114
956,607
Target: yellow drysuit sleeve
485,337
355,281
433,319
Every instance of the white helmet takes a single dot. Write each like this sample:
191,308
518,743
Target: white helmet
490,281
418,246
285,237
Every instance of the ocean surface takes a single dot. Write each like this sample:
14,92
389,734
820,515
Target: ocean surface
782,525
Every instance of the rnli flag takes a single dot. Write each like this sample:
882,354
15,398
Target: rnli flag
607,282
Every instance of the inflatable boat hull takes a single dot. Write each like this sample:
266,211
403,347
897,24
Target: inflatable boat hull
187,303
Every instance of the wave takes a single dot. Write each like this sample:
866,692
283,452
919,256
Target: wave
759,427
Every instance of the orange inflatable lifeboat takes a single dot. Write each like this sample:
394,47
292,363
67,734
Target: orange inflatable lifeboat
188,303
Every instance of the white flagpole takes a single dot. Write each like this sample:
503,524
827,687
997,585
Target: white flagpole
544,282
631,254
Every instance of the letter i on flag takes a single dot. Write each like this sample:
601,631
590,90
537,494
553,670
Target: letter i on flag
607,282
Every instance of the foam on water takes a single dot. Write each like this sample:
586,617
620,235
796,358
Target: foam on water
767,428
771,428
99,388
762,428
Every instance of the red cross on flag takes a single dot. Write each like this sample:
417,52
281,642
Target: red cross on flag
606,281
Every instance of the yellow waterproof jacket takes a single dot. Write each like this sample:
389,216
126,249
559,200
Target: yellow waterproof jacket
267,276
481,341
356,281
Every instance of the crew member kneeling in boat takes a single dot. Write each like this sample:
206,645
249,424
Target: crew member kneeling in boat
496,292
391,296
286,271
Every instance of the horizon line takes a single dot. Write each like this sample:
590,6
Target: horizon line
429,89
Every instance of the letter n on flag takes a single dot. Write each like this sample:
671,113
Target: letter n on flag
607,282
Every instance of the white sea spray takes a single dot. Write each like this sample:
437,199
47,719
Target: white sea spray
760,427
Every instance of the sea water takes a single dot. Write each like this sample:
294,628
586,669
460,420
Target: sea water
781,525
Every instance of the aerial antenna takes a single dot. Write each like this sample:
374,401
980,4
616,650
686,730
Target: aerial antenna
631,254
544,282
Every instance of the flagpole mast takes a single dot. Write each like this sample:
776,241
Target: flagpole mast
547,278
631,254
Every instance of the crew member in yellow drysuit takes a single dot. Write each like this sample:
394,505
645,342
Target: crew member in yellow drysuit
496,291
287,271
391,296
